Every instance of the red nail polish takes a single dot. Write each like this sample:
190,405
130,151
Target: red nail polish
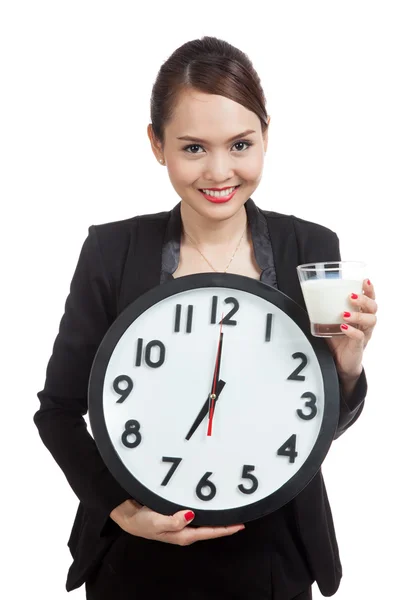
354,296
344,326
347,314
189,515
369,283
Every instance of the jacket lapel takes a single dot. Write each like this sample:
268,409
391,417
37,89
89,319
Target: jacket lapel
285,252
143,264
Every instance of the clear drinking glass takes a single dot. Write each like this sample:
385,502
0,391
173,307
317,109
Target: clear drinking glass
326,288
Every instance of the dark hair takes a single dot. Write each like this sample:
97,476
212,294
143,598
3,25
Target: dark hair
209,65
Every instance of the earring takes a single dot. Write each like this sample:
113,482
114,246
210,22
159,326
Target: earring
161,161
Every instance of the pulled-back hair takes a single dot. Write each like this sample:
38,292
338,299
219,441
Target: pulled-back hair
209,65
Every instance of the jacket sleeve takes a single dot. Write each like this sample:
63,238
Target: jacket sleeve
318,244
63,400
352,409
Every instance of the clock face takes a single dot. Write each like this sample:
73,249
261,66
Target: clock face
274,410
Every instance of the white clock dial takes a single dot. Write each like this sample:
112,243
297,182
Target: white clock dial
268,416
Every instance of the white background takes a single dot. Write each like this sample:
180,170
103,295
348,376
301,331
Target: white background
75,80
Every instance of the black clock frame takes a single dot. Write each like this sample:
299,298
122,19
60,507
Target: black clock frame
207,516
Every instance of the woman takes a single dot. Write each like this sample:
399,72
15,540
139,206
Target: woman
210,128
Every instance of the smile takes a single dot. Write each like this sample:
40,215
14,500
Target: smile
218,197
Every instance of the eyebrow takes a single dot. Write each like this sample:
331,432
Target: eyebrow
188,138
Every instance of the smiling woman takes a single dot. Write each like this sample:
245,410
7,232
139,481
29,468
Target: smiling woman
210,128
209,94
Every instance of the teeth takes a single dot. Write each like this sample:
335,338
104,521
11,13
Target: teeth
218,194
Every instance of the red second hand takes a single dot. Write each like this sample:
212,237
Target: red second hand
211,415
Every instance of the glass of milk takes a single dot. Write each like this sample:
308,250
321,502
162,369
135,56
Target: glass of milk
326,288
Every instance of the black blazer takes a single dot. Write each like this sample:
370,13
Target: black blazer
118,262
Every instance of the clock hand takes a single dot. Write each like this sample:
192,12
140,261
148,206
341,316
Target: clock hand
216,378
204,410
215,390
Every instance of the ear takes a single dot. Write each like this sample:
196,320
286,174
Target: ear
155,144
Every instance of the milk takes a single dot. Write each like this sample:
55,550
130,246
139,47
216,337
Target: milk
326,300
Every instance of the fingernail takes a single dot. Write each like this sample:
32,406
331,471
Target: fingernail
343,326
189,515
354,296
369,283
347,314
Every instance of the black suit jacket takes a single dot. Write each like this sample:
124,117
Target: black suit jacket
118,262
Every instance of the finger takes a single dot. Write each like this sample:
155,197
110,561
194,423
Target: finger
172,523
190,535
368,289
364,302
364,320
207,533
356,335
183,518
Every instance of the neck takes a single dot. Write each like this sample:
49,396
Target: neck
213,233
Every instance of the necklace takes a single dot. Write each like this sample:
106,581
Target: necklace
207,261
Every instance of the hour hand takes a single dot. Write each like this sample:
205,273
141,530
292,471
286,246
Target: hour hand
204,410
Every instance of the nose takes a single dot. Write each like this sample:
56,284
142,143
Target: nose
219,168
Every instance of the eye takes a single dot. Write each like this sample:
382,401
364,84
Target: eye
246,142
192,146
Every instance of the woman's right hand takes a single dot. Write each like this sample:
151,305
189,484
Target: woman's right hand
143,522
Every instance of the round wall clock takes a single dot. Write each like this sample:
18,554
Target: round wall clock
210,393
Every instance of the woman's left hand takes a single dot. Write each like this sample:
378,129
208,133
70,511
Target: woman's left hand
348,349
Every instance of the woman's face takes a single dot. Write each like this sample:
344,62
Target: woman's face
222,159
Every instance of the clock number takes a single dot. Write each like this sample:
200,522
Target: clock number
147,354
214,310
124,393
175,464
268,327
246,475
178,312
295,375
206,483
289,448
131,428
310,404
227,319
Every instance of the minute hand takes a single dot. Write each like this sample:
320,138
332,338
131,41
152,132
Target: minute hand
204,411
213,395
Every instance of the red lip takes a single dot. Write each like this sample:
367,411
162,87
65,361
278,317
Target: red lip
220,189
219,200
